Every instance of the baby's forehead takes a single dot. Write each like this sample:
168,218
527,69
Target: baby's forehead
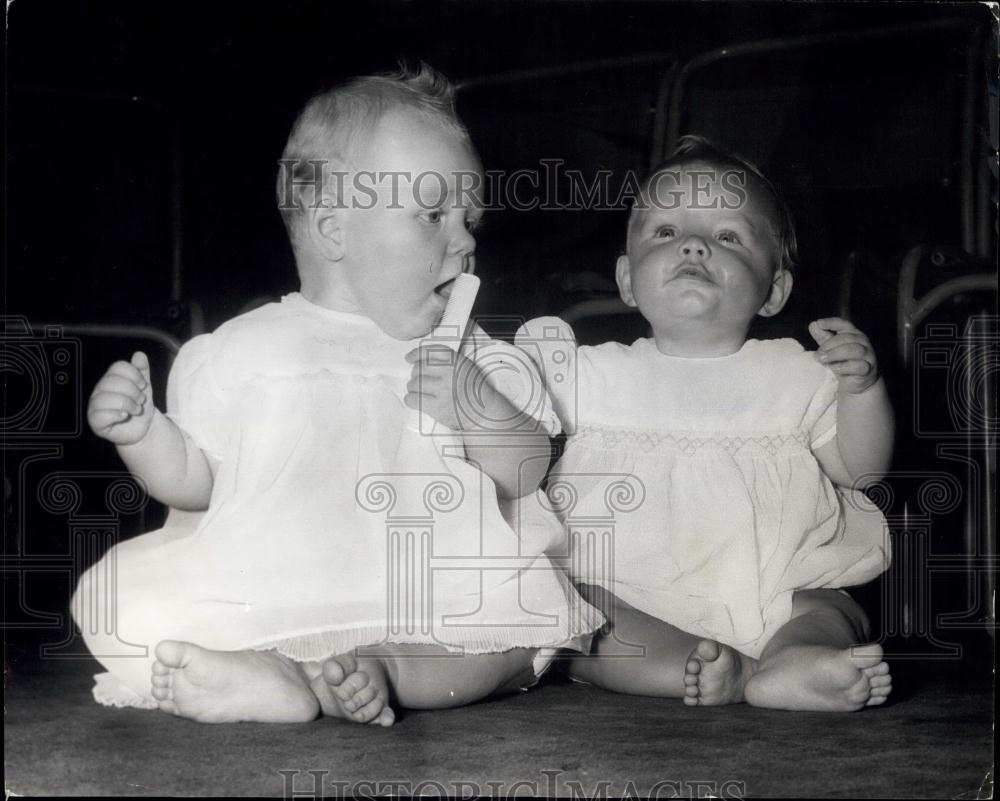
402,131
420,154
706,188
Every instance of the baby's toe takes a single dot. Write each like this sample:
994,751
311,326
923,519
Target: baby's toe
333,673
160,681
369,712
384,718
161,693
351,686
159,669
707,650
168,705
357,699
338,668
362,697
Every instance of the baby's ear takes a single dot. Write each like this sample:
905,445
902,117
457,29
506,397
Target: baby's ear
326,230
781,288
623,275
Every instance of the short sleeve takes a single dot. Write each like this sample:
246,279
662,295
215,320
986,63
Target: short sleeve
514,376
550,345
194,400
822,413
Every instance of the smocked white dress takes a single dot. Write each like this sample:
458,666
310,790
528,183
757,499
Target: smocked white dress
689,488
335,521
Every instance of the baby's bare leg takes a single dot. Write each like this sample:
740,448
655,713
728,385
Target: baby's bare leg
358,686
643,655
428,677
814,661
230,686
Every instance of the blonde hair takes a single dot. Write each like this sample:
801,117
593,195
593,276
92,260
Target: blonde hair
333,124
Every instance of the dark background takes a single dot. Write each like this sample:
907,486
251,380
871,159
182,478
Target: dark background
118,110
142,141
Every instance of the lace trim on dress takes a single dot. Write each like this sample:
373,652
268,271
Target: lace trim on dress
607,437
320,646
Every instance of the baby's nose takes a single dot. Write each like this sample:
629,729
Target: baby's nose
462,241
694,247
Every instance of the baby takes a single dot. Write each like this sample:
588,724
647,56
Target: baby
743,458
346,562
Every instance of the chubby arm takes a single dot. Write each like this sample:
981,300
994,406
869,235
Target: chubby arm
862,449
505,442
176,472
545,359
516,460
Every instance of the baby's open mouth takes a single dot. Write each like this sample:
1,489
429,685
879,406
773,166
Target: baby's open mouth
444,289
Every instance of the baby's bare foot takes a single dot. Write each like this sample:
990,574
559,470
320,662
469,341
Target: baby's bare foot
715,674
821,678
229,686
354,689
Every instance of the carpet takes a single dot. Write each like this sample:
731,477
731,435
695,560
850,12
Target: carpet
933,740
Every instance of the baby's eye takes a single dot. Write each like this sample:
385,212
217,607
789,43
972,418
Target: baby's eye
434,216
728,236
473,223
665,232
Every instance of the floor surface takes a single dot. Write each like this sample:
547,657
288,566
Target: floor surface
934,740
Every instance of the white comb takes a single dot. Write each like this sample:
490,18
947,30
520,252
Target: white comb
449,332
456,313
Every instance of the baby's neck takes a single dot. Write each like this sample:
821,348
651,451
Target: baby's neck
691,345
328,301
320,291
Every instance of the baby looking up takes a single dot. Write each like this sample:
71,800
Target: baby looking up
345,562
720,582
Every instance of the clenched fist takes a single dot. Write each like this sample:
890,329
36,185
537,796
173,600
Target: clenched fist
121,406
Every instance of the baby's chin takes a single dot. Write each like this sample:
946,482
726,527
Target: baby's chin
407,329
409,319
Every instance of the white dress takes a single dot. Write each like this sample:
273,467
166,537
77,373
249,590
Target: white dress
689,489
334,523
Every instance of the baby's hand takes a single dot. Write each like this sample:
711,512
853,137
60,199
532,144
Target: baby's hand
121,405
442,381
846,351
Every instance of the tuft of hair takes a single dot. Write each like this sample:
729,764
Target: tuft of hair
335,123
694,149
